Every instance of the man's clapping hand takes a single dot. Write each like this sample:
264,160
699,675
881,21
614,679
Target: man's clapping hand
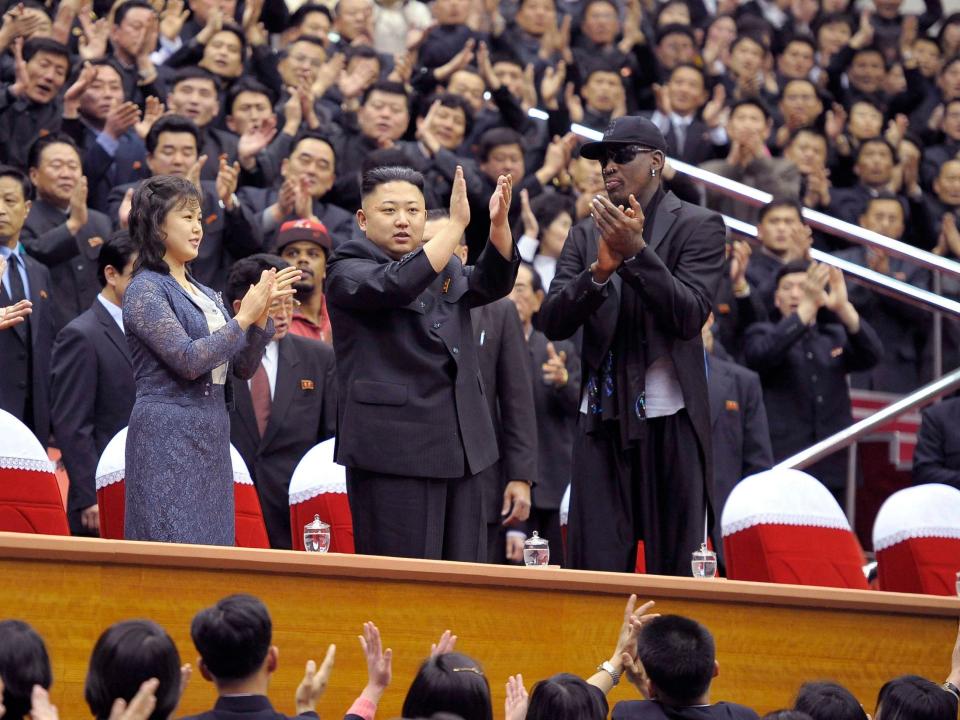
555,368
314,682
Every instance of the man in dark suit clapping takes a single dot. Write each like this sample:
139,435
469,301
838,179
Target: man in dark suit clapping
92,386
288,407
639,277
414,429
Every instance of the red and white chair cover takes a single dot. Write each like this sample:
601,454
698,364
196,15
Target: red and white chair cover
250,530
319,487
784,526
917,540
110,486
30,499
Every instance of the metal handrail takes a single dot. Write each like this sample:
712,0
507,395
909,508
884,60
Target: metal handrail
865,276
819,220
849,435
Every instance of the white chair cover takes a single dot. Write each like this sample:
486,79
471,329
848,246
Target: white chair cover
317,474
931,510
19,447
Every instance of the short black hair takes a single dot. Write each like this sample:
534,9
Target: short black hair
152,200
536,282
695,68
129,5
871,49
233,637
786,715
313,135
372,179
752,37
884,196
385,86
548,206
307,39
21,177
678,655
193,72
23,663
103,62
752,101
245,84
243,273
504,54
791,268
45,141
779,202
497,137
832,18
676,29
808,81
454,102
171,124
451,682
803,39
232,27
877,140
385,157
911,697
828,701
361,51
300,15
43,44
589,3
126,655
565,697
116,253
809,131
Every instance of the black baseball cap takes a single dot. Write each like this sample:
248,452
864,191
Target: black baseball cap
627,130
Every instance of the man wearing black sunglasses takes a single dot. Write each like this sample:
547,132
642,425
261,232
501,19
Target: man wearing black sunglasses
639,276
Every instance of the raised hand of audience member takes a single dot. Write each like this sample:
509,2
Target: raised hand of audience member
292,113
251,13
379,663
835,122
314,682
444,645
740,251
662,99
403,64
21,80
818,188
838,302
228,177
716,112
626,648
551,84
814,293
186,672
213,25
485,68
457,62
632,27
573,103
254,140
153,111
40,706
621,230
17,23
94,37
122,117
948,244
328,73
193,174
151,38
556,158
864,34
556,41
425,132
528,90
308,108
501,236
78,207
10,316
801,240
123,212
515,705
74,93
172,18
303,203
140,707
555,368
878,261
531,228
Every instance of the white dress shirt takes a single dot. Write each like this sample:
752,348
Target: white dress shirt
270,362
116,312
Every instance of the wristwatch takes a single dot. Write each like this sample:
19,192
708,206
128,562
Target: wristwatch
608,668
952,689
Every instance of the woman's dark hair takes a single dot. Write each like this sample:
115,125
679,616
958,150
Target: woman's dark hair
678,654
152,200
566,697
786,715
911,697
451,682
828,701
116,253
126,655
372,179
23,664
233,637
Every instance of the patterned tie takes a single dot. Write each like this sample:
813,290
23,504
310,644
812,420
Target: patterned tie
260,394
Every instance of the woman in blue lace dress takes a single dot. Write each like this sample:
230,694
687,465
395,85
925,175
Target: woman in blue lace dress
184,346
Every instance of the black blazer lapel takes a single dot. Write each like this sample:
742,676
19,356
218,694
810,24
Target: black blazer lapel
243,406
20,329
287,381
664,219
112,331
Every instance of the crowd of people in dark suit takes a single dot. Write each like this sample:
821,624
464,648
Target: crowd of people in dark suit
275,116
135,673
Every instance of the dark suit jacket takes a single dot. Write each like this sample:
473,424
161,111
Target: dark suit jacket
741,440
509,393
72,260
676,277
653,710
411,396
303,413
26,365
936,458
247,707
102,170
339,223
227,235
92,393
557,410
804,374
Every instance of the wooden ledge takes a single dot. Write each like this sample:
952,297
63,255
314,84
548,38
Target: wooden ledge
15,546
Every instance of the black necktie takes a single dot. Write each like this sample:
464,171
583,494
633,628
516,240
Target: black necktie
17,291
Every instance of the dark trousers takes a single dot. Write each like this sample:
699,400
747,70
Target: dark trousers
654,491
429,518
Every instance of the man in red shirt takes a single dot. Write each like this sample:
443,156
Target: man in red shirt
306,245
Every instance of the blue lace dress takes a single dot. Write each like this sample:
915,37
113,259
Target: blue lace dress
179,481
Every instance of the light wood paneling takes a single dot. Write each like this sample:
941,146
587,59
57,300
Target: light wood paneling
538,622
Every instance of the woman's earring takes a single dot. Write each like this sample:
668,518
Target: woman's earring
653,172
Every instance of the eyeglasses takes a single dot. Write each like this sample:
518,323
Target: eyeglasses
285,304
622,154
